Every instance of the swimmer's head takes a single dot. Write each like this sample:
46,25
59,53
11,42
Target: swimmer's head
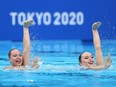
15,57
86,59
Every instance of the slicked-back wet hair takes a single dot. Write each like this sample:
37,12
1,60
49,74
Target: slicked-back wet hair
9,53
80,58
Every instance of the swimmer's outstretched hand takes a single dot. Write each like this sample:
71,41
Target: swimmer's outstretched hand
96,25
108,62
36,63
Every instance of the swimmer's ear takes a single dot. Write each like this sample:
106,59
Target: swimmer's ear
80,63
10,60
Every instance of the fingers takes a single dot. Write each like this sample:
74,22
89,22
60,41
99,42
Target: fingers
108,57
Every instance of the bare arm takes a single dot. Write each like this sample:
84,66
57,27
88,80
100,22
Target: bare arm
26,43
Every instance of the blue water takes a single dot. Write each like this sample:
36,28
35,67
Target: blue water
60,67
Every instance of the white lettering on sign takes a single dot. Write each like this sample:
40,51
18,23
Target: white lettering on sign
46,18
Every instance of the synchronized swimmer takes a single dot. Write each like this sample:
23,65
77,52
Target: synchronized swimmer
18,61
86,59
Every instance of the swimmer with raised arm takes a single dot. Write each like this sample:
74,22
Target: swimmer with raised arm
86,59
18,61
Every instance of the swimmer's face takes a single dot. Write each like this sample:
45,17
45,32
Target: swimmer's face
15,58
87,59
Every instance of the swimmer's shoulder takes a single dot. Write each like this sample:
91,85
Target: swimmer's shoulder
8,67
14,68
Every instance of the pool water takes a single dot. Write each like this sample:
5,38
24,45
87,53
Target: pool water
60,67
